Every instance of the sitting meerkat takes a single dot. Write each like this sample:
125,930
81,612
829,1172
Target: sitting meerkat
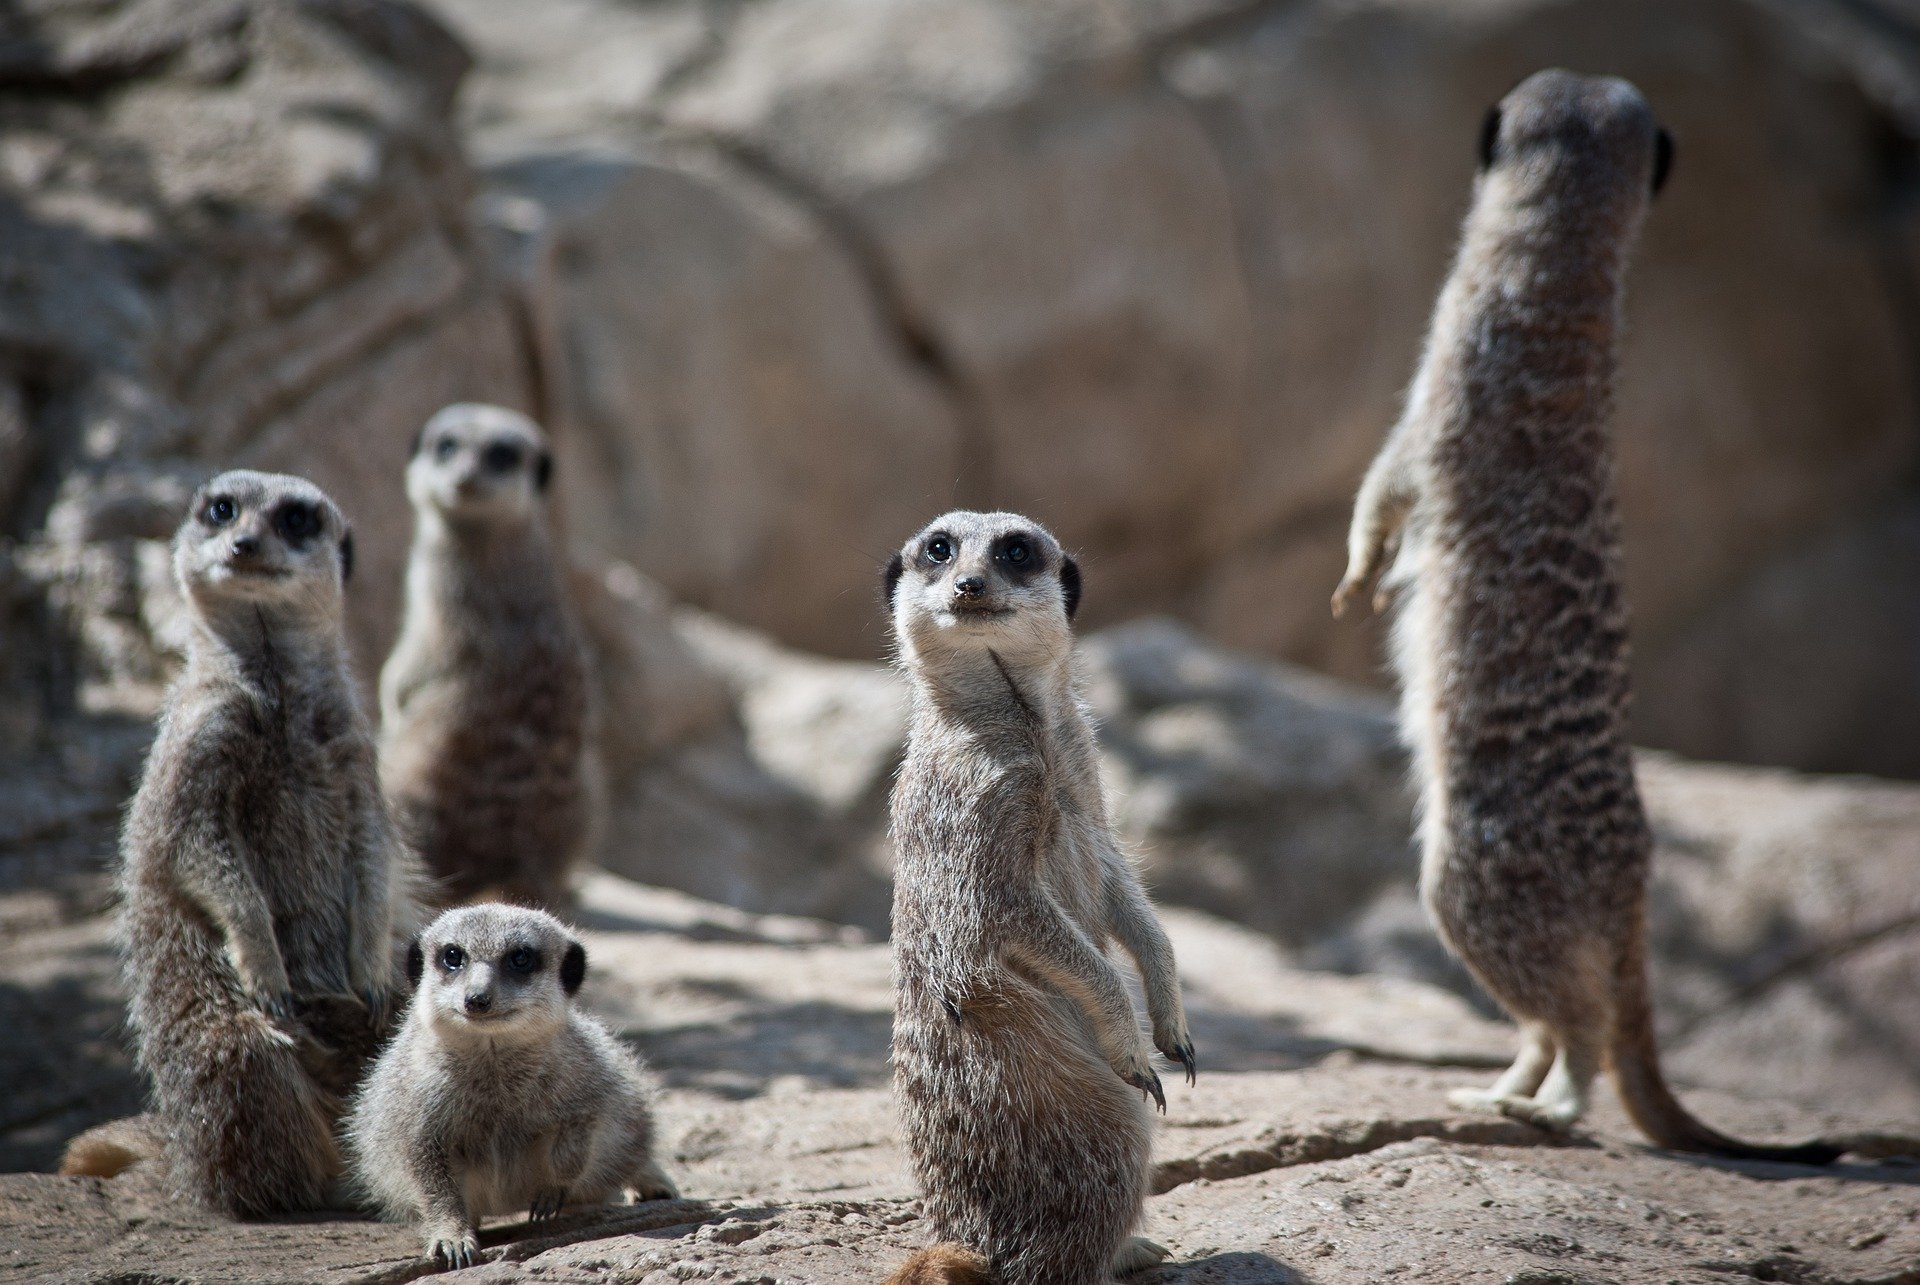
484,702
1510,637
1019,1066
264,890
498,1094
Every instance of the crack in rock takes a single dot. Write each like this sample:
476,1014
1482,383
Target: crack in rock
1283,1149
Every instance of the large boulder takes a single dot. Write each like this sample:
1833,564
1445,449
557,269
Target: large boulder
1158,274
230,235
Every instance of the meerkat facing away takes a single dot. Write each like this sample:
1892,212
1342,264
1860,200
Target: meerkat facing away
485,715
498,1094
1510,636
1019,1065
262,882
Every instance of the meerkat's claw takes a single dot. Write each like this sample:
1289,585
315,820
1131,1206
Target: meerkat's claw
1344,595
1149,1085
547,1204
1540,1116
1184,1056
456,1251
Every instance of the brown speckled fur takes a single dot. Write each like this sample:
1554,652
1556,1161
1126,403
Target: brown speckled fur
484,701
1511,631
1020,1071
263,884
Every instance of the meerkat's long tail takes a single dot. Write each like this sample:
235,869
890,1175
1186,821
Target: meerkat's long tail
1643,1089
943,1265
109,1150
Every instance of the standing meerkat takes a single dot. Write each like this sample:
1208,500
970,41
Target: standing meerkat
263,884
1510,637
1018,1062
484,714
498,1094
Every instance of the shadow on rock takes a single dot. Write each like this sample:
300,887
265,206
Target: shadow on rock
1227,1269
738,1056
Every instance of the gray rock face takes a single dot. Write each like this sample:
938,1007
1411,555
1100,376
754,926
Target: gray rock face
230,234
1157,272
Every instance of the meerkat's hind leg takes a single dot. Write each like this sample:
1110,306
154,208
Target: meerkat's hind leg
1521,1080
1137,1253
1562,1099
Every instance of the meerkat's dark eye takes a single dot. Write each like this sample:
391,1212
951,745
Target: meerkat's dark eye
444,448
523,959
297,522
220,510
452,958
939,549
1017,550
501,457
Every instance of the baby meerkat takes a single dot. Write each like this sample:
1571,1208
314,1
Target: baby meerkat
264,888
484,708
498,1094
1019,1065
1510,637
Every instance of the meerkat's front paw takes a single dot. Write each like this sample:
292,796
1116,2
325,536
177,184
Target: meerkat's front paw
547,1204
1350,588
1178,1047
1137,1254
454,1247
1140,1074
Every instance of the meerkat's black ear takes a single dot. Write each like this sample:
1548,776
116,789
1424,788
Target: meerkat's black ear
542,470
416,962
346,555
1070,585
573,967
1490,136
895,567
1662,159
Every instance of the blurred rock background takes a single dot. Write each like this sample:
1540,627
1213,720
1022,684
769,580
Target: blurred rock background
785,277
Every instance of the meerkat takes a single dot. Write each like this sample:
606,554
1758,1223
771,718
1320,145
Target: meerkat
484,708
263,886
498,1094
1510,630
1019,1065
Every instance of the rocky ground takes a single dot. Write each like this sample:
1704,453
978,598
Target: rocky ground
1317,1145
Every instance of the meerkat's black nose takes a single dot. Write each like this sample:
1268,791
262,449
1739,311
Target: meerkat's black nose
246,545
479,1001
969,587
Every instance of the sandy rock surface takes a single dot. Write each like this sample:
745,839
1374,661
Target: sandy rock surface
1317,1145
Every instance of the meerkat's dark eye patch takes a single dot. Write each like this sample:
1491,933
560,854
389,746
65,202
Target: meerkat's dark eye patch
500,457
896,567
1070,585
1017,550
452,958
219,511
573,967
1490,137
346,556
1662,159
444,448
523,959
297,522
938,549
542,470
